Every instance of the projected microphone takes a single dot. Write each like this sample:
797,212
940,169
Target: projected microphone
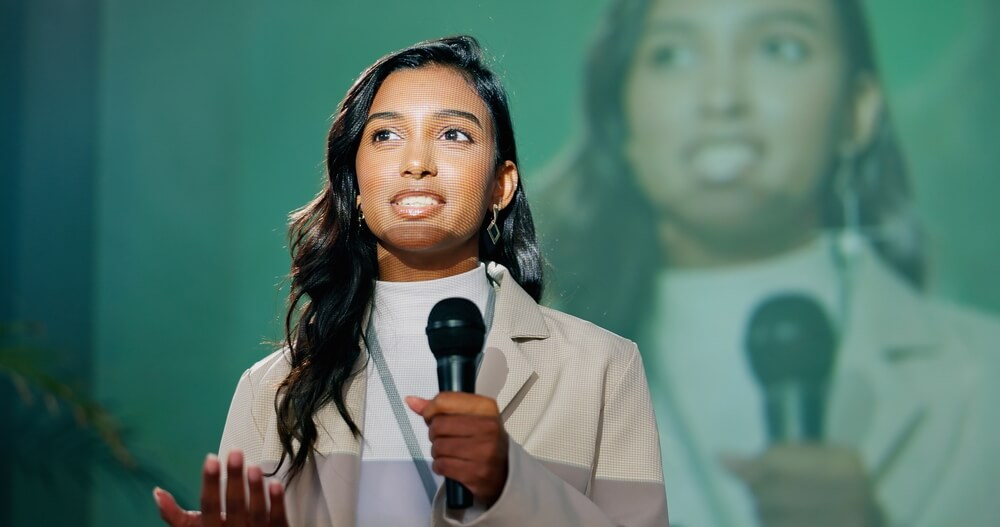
791,346
455,331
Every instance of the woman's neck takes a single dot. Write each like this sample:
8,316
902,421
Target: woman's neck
402,266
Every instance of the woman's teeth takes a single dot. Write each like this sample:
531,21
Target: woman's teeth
723,162
417,201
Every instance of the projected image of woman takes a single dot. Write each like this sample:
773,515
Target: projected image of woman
740,150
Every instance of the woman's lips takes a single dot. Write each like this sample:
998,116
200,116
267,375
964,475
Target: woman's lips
415,204
724,160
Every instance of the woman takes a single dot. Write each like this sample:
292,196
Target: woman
737,150
422,202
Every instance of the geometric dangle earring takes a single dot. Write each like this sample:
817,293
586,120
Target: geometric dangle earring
361,218
493,230
848,177
849,240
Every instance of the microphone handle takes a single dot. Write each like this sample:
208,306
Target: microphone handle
456,373
457,496
796,411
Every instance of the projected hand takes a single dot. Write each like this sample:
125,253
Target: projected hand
468,442
239,512
814,485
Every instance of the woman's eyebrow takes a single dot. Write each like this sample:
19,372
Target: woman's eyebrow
390,116
671,26
386,116
790,16
683,25
460,114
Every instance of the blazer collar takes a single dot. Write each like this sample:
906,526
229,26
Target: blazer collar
890,312
506,374
895,341
886,322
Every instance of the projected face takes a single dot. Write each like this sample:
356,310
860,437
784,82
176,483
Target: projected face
426,167
735,109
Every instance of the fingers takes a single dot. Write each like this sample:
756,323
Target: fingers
169,510
792,483
239,513
464,426
236,508
211,509
485,479
172,513
277,494
453,403
417,404
463,471
471,449
258,504
468,442
485,450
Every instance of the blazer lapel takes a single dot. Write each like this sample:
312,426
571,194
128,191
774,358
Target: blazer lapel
886,403
506,374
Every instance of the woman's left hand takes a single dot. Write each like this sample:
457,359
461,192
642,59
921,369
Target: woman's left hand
468,442
245,502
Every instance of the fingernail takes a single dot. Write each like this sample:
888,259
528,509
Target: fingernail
235,459
211,463
156,495
275,488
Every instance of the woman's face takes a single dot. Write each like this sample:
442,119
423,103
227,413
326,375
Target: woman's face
426,166
735,110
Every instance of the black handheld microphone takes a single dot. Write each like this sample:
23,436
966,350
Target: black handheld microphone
792,346
456,332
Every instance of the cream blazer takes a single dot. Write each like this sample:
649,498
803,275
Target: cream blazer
573,398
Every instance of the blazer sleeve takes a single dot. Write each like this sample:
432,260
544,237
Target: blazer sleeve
626,488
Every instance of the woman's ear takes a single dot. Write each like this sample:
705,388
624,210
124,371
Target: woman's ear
506,183
867,110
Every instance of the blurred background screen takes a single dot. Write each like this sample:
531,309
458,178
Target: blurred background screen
788,204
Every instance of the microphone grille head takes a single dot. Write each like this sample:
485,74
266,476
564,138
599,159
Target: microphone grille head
455,327
790,338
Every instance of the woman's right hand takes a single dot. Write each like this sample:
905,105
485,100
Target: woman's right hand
809,484
238,513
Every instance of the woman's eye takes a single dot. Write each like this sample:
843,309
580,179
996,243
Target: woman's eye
384,135
672,56
785,49
454,134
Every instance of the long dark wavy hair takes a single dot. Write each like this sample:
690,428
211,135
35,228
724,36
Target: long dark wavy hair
334,263
598,223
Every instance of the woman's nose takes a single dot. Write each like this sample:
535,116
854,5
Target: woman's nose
418,160
724,92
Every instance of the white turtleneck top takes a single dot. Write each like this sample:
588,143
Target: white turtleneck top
391,491
707,399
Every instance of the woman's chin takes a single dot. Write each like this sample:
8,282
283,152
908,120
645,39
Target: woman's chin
420,239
